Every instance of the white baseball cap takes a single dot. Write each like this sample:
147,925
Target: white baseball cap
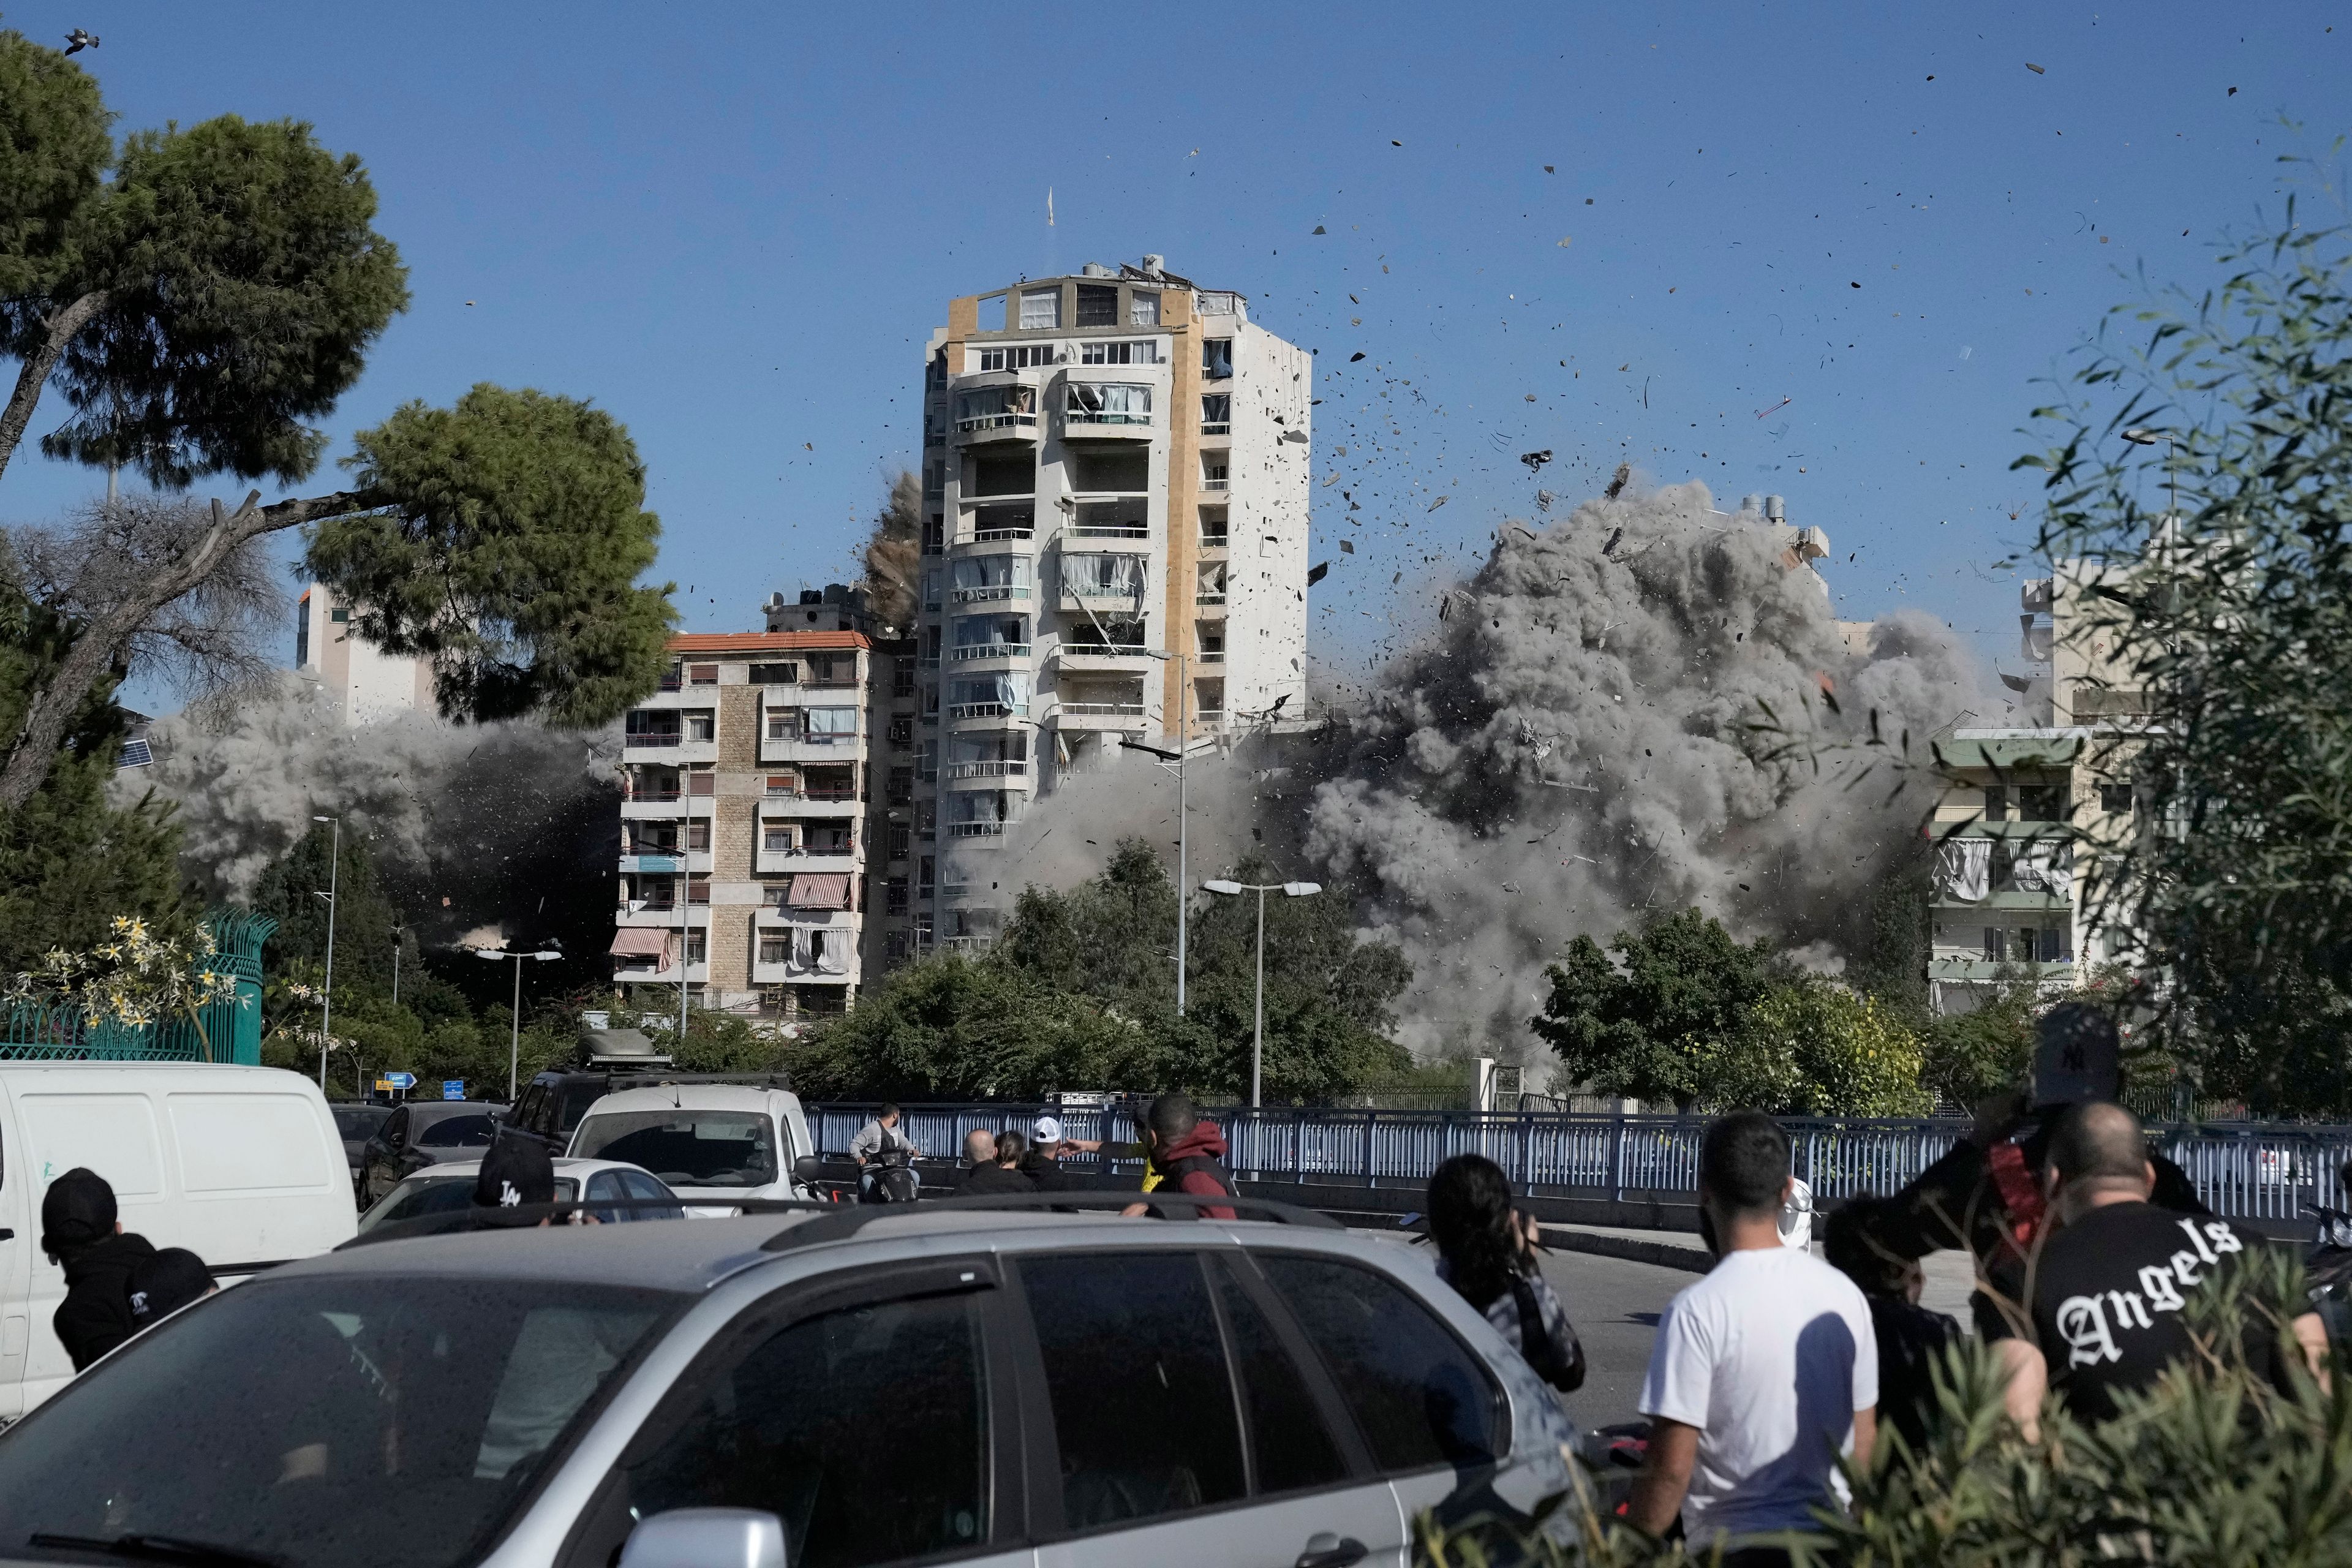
1049,1130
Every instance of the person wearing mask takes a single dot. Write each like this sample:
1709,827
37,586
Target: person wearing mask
162,1284
1911,1339
2112,1285
876,1139
1762,1373
1487,1251
990,1171
81,1234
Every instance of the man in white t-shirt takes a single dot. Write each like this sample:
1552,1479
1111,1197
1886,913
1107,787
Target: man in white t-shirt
1763,1371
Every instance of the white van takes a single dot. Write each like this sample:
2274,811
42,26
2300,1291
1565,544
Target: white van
241,1165
707,1142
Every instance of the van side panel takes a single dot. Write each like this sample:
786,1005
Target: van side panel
111,1133
235,1144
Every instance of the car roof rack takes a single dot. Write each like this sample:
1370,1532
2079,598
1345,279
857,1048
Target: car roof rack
843,1222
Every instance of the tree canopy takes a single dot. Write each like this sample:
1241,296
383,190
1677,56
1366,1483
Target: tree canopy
1640,1026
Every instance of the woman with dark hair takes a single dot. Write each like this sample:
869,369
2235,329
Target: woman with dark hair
1487,1250
1911,1338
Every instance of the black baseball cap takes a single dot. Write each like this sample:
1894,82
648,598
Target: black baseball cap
516,1174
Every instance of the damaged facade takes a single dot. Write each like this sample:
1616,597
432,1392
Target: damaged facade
1115,473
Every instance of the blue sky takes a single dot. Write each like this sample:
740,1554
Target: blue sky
735,226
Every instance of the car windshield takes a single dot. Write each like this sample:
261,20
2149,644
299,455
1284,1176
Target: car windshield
360,1121
684,1148
421,1196
348,1421
458,1132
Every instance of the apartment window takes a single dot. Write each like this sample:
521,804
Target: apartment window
1108,403
1098,304
1217,413
1145,353
935,532
931,588
1019,357
996,407
1217,358
1996,945
697,891
2115,799
702,675
902,787
1143,309
902,678
893,895
339,616
902,732
698,836
775,950
778,840
702,782
701,726
1040,308
897,839
697,948
2041,803
927,760
929,874
1996,804
784,785
837,669
781,723
1212,477
651,727
1213,528
927,817
831,724
775,674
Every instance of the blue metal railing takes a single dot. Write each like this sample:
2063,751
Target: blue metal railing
2263,1171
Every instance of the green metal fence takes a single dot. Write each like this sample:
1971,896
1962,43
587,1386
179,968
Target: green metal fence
230,1032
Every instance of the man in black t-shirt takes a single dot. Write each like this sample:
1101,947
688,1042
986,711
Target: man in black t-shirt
2105,1298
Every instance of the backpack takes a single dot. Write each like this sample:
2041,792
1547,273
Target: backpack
1553,1350
1172,1178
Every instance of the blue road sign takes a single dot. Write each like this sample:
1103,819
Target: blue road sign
400,1080
452,1089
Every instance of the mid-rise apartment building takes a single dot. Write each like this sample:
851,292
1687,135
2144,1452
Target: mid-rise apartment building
748,800
1116,494
2026,811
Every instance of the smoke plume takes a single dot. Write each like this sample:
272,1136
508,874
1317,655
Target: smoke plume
1576,744
508,827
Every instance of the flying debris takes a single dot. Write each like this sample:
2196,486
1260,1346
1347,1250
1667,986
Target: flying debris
1544,499
1613,538
1316,573
2036,70
1776,408
1535,460
1617,480
1354,357
1440,501
81,39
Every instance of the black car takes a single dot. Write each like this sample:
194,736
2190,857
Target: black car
355,1124
424,1133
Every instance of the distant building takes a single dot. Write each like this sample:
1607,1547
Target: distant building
746,810
365,684
2025,813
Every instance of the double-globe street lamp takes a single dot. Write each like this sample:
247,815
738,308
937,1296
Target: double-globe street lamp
514,1046
1235,890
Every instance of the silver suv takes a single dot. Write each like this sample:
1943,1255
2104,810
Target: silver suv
935,1384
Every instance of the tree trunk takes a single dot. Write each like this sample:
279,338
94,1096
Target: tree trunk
50,707
35,375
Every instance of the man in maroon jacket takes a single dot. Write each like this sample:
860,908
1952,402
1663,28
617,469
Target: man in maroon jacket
1188,1153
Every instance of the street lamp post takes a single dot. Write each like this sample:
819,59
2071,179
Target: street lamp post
514,1046
1257,1037
1183,749
326,996
2142,435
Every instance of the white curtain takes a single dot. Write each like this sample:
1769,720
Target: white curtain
990,570
1104,577
1041,308
979,631
2047,866
1964,868
831,720
1143,309
832,951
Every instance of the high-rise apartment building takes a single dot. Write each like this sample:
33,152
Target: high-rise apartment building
1116,493
747,806
364,683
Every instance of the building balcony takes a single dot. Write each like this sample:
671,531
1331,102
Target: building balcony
831,807
673,750
985,428
674,695
2036,902
661,916
1209,656
982,831
773,915
1120,717
1220,483
670,862
1989,971
959,712
983,773
979,652
1214,602
776,862
1091,425
997,519
1216,542
627,974
990,593
1216,428
801,974
665,805
817,749
1096,655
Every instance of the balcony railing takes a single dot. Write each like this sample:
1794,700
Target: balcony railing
993,650
1210,716
997,535
804,739
988,770
1209,656
1104,417
1216,484
830,683
976,829
651,797
798,849
1102,650
1108,531
1216,598
990,592
988,711
670,683
1104,710
653,738
1220,427
1215,541
996,421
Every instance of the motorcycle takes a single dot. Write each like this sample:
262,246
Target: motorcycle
890,1177
2327,1270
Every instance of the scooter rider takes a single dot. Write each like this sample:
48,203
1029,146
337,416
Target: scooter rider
880,1146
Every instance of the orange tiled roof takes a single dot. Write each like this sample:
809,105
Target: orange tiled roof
765,642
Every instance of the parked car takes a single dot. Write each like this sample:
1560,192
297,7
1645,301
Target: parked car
356,1121
449,1186
939,1383
239,1164
721,1141
423,1132
551,1106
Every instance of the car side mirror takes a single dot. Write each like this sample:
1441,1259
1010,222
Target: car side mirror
707,1538
807,1169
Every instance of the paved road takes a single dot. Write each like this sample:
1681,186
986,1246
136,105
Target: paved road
1615,1305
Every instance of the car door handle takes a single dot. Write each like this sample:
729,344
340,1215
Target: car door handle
1325,1549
